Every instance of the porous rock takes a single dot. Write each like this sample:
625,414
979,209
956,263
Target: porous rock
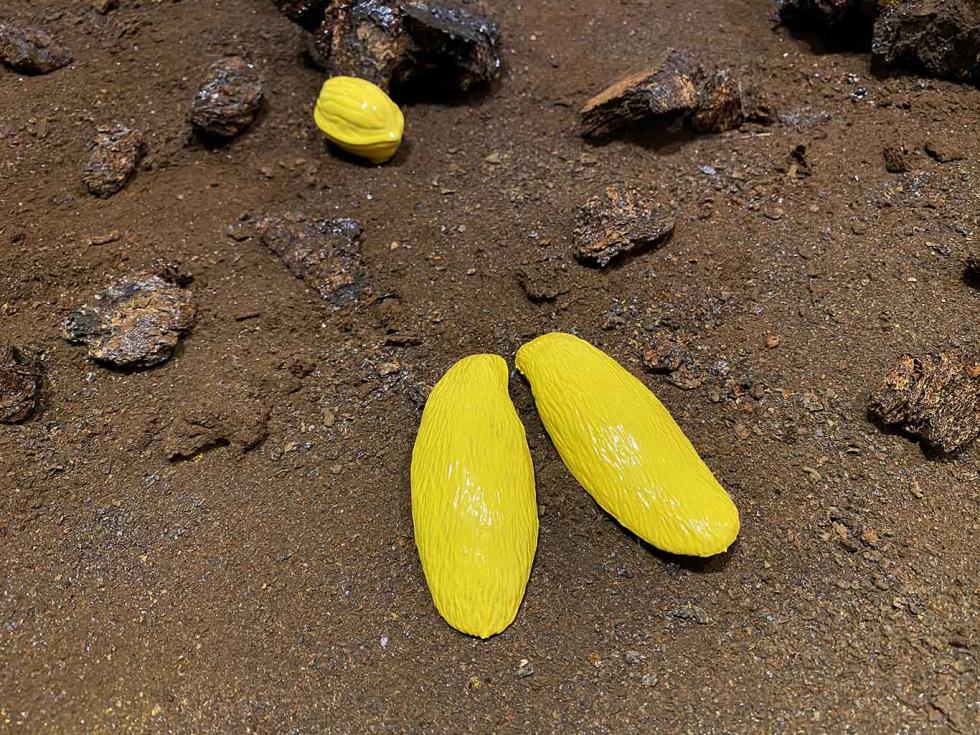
719,105
616,222
137,321
111,158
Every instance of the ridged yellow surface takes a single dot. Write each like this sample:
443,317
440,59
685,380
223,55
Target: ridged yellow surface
476,519
360,118
624,447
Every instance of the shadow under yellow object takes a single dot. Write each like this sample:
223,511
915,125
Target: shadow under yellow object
359,117
625,448
473,505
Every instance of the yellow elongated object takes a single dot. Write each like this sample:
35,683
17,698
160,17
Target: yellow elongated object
625,448
473,505
359,117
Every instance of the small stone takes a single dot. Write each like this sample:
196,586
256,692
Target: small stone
649,680
111,159
324,253
772,342
226,415
544,280
691,613
229,100
668,89
896,160
493,158
719,104
942,152
935,396
633,657
20,385
137,321
525,669
31,50
616,222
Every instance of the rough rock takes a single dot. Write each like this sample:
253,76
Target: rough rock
229,100
31,50
896,160
137,321
971,271
111,158
389,42
618,221
667,90
20,385
719,105
936,396
940,36
231,415
544,280
669,353
324,253
307,13
942,152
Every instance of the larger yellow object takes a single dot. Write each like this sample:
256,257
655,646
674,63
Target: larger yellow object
359,117
473,506
625,448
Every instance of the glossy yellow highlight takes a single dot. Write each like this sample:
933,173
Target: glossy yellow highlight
625,448
359,117
473,506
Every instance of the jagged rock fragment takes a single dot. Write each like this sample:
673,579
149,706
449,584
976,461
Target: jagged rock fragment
618,221
31,50
111,158
229,100
20,385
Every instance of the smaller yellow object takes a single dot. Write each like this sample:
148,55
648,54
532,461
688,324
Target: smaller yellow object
360,118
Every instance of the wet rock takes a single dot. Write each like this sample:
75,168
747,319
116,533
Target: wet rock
20,385
616,222
936,396
111,158
719,104
324,253
940,36
394,42
896,160
668,352
226,416
544,280
31,50
229,100
667,90
828,13
137,321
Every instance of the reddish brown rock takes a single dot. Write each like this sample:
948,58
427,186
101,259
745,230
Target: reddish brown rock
936,397
31,50
324,253
20,385
111,158
137,321
229,415
229,100
618,221
719,105
669,89
668,352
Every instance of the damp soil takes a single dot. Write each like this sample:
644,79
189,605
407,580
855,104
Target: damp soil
273,586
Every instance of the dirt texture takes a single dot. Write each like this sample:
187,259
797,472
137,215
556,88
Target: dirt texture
277,589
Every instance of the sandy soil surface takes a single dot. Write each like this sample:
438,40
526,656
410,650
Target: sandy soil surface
278,590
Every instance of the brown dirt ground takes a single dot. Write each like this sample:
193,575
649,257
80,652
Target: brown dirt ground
278,590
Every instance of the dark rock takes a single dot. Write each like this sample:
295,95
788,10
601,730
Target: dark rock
324,253
230,415
669,353
20,385
394,42
31,50
544,280
667,90
942,152
111,159
756,105
307,13
936,397
896,160
828,13
229,100
137,321
971,272
719,104
616,222
940,36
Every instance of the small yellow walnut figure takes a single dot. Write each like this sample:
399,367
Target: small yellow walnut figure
360,118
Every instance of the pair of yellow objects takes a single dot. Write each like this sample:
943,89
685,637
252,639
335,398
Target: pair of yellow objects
473,503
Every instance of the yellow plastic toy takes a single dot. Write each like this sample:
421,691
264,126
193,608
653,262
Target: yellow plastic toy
625,448
360,118
473,506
